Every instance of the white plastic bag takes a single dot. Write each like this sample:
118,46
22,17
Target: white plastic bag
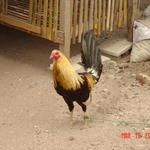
140,51
140,32
146,12
141,43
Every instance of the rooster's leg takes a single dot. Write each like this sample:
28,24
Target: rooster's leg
71,108
71,115
84,108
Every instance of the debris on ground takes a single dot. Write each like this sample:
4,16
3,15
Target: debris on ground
143,79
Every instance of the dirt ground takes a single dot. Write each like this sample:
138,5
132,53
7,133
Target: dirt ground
34,117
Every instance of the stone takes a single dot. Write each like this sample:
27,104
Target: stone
115,46
143,79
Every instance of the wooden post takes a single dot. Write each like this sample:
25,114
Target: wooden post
65,22
131,17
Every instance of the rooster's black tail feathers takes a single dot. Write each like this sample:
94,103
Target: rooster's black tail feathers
91,55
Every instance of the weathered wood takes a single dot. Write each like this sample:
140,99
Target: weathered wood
51,17
56,3
30,11
95,17
44,26
3,6
116,16
75,17
20,24
91,12
80,20
34,12
108,15
39,13
99,16
112,15
6,7
85,15
131,17
120,13
49,34
65,9
104,15
125,11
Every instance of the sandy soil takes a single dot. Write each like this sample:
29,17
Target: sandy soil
34,117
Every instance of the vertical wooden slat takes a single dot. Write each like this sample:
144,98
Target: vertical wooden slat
75,16
104,15
80,20
56,3
131,17
71,17
6,7
112,15
3,6
34,12
120,13
65,9
30,11
39,12
95,16
139,4
108,15
116,14
91,13
44,26
125,12
99,16
86,15
49,35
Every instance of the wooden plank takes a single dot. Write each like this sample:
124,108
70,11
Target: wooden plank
49,33
116,46
131,17
39,13
120,13
108,15
95,17
6,6
71,18
20,24
112,15
80,20
34,12
125,12
65,12
75,17
44,26
99,16
1,6
55,27
116,14
86,15
104,16
30,11
91,13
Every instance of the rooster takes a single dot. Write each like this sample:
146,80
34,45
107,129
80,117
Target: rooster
73,86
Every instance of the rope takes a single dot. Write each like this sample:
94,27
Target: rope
121,122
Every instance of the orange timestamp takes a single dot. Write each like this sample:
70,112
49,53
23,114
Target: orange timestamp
137,135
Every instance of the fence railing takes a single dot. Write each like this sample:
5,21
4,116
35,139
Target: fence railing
46,19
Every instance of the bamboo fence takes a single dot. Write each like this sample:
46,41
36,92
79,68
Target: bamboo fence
42,17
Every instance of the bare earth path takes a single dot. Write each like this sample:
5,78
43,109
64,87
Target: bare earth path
34,117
